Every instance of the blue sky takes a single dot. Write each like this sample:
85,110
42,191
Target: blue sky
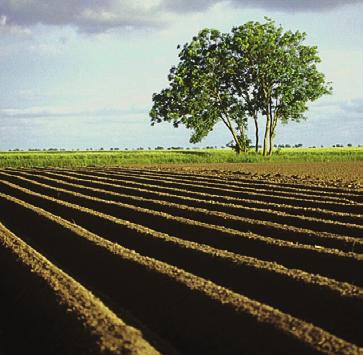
81,73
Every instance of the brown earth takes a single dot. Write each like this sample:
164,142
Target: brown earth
341,174
217,259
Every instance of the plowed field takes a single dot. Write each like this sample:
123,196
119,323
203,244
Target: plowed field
144,261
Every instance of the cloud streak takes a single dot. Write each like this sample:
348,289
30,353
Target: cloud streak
37,112
295,6
95,16
273,5
354,106
86,15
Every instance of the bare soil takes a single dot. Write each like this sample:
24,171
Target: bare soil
334,174
217,259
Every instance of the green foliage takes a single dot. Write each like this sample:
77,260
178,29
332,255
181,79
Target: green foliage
280,69
256,70
199,95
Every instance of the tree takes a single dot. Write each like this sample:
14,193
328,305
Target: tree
257,70
200,95
276,74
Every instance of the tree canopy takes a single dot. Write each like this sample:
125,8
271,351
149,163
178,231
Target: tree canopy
256,71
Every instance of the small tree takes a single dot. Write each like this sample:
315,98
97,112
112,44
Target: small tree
276,73
199,93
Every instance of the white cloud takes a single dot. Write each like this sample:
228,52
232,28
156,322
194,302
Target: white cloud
36,112
353,106
12,29
295,5
3,19
102,15
86,15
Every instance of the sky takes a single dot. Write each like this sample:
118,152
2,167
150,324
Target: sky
79,74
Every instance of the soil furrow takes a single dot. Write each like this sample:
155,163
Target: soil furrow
328,262
195,315
255,216
44,308
267,198
200,199
157,220
231,185
350,303
259,181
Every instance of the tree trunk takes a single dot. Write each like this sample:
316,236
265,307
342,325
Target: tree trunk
228,123
266,139
256,131
236,140
242,141
271,145
238,148
272,133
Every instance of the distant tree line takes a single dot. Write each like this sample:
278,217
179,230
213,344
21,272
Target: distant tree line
299,145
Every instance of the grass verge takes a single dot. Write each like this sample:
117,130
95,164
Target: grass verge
114,158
